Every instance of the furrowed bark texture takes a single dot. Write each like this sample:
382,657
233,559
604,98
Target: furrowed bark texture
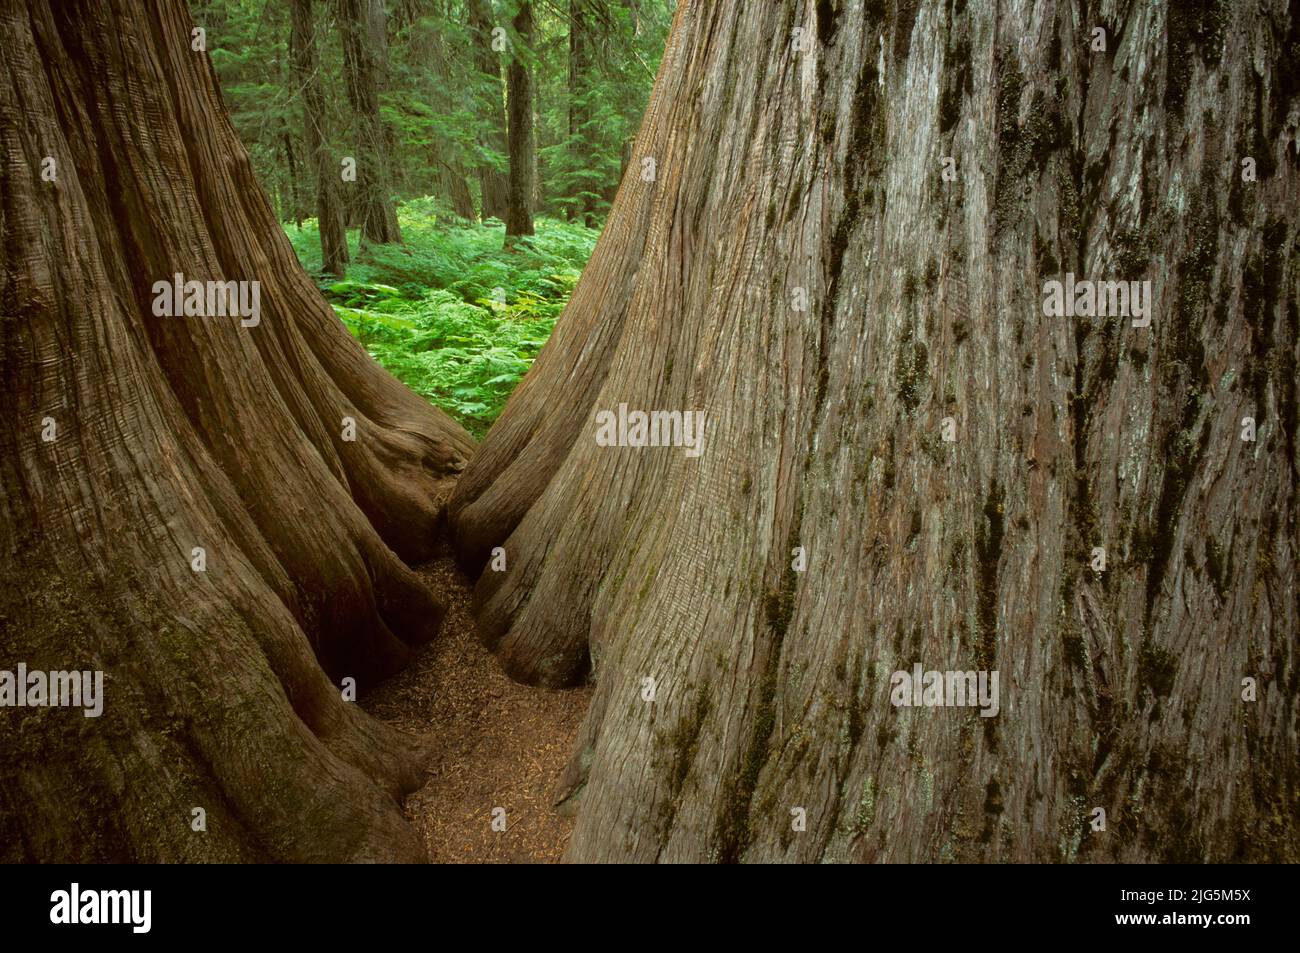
180,432
781,169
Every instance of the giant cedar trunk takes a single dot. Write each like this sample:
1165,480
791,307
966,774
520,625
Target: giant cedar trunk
782,171
171,433
361,23
523,154
329,210
494,184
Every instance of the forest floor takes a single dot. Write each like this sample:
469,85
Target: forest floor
459,320
498,743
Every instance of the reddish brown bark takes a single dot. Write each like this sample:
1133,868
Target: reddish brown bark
179,432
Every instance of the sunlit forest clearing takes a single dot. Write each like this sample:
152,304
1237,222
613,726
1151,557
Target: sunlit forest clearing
445,305
450,313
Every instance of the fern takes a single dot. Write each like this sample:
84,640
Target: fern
449,313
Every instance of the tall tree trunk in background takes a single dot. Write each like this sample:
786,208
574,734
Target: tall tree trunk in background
625,155
405,13
786,175
306,76
295,182
455,185
523,155
451,174
364,57
493,184
579,113
131,441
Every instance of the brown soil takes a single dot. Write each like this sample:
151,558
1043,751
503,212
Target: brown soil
496,743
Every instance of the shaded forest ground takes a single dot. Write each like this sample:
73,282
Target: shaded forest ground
495,742
459,320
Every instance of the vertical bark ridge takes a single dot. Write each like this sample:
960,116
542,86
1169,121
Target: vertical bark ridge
182,432
822,170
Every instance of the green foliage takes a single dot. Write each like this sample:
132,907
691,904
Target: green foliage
450,314
248,42
444,115
430,310
580,167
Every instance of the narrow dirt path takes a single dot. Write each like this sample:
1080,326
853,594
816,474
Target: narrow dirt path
497,743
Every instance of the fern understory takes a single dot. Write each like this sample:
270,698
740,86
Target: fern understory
450,313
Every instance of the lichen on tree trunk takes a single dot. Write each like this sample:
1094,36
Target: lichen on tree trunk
785,167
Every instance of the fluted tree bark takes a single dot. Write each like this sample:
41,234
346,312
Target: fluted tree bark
213,511
787,256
